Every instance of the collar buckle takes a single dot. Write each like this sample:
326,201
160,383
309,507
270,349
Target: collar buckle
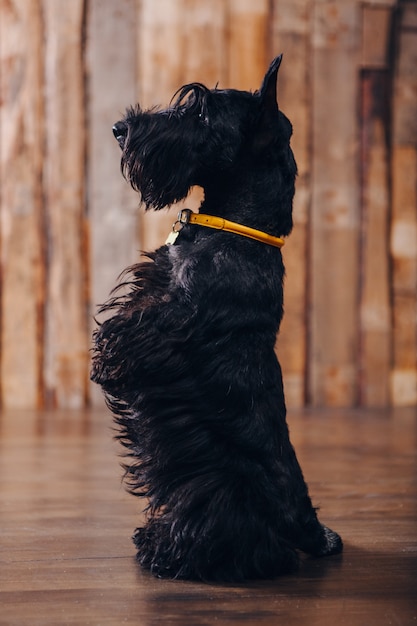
184,216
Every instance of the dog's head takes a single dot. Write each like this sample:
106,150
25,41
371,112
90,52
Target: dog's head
204,137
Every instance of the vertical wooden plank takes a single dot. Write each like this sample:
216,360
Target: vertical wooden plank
375,310
291,34
205,27
161,51
249,42
404,256
113,205
21,130
335,205
179,41
67,326
404,211
376,30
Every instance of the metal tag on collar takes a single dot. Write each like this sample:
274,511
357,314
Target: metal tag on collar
182,220
172,237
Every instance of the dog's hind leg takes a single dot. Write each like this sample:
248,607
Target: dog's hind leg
211,558
225,535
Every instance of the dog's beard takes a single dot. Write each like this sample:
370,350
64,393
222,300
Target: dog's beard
145,164
157,188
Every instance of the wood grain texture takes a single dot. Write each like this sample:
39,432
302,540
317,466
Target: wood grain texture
375,297
404,255
376,35
67,558
67,340
291,34
112,204
113,207
70,223
335,205
248,39
22,240
375,303
404,212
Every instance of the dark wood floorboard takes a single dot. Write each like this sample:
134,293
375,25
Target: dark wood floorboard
66,555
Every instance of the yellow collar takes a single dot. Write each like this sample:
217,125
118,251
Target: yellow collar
186,216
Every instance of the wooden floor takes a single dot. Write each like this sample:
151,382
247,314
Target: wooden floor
66,555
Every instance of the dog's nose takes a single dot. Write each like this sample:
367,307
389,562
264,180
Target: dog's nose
120,132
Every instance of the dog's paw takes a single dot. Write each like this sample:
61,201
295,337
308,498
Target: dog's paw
333,543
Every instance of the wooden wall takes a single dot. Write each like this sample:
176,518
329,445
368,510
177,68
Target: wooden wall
70,224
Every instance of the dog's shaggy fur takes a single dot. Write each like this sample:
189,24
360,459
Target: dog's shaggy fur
186,355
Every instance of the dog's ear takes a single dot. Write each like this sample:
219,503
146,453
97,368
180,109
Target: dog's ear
267,132
268,90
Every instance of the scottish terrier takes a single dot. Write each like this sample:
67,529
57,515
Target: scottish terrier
185,354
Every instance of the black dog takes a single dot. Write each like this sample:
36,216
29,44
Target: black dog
186,355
